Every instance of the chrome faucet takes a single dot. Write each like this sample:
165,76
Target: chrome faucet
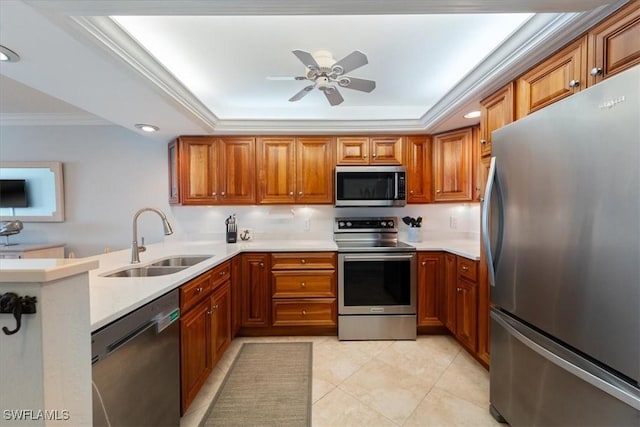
135,249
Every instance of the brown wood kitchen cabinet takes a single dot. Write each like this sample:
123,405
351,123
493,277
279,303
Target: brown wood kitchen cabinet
205,328
461,275
295,170
614,44
304,289
559,76
431,289
419,163
496,111
369,150
453,165
256,295
214,170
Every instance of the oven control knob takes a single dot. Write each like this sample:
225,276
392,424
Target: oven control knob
390,224
340,224
349,224
383,224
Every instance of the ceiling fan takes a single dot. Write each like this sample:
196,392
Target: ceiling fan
327,74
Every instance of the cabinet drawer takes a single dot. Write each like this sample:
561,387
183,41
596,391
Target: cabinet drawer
311,312
220,274
302,284
195,291
468,269
306,261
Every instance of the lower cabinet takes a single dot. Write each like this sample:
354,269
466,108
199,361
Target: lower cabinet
431,289
205,328
256,297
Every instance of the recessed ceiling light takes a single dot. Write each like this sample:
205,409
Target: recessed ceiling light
147,128
7,55
472,114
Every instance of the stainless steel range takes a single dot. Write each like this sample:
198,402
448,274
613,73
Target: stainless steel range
376,280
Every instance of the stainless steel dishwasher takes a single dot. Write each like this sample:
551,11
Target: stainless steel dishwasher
136,367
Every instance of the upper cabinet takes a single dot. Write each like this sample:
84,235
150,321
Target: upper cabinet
419,162
453,165
496,110
373,150
215,170
614,44
556,78
295,170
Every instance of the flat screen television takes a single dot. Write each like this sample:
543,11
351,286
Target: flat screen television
13,193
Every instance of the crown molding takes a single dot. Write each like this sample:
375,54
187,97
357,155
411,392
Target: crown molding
318,127
50,119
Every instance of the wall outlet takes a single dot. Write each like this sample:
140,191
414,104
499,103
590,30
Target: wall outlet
307,224
453,222
245,234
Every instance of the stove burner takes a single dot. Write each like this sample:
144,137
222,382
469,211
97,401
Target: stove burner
378,234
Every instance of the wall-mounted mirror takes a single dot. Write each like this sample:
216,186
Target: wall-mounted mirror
31,191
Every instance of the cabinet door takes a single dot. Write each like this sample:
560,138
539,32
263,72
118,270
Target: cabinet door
256,296
453,165
386,150
419,161
430,289
236,170
199,158
496,111
276,170
556,78
466,314
314,170
450,284
236,294
220,320
352,150
196,361
174,170
614,45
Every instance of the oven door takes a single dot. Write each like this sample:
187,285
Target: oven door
377,283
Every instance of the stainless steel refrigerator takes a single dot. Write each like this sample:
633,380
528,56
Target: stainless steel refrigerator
562,230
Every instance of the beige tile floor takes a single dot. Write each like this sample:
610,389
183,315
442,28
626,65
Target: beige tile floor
428,382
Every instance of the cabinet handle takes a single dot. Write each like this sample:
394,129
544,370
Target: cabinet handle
574,83
222,273
465,268
222,193
303,285
596,71
300,193
209,312
198,290
364,156
424,263
214,194
262,264
410,191
291,193
215,307
458,289
303,261
304,312
437,191
483,141
374,155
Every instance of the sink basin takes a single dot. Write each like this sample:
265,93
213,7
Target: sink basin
181,261
147,271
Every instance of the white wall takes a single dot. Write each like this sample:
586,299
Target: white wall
111,172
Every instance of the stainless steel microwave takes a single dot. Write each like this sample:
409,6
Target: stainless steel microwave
370,186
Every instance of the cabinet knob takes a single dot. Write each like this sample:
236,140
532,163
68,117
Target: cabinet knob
304,312
424,263
262,264
483,141
300,193
303,285
222,273
214,194
374,155
458,289
437,191
198,290
596,71
291,193
364,156
574,83
209,313
215,307
303,261
410,191
465,268
222,193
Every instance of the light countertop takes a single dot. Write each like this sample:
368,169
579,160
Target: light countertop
112,297
42,269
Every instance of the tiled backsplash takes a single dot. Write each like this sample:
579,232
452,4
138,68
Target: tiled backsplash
316,221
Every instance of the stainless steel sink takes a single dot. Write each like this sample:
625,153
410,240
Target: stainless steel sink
181,261
161,267
146,271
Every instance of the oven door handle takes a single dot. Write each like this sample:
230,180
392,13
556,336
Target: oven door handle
378,257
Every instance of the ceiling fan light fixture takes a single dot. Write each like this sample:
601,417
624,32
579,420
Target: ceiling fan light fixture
7,55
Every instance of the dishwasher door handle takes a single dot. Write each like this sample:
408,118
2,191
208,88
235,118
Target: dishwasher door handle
122,341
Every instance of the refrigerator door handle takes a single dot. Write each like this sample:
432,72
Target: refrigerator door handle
484,219
570,362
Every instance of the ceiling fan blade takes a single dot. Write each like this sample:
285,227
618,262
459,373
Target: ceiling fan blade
286,78
302,93
363,85
333,96
307,59
355,59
